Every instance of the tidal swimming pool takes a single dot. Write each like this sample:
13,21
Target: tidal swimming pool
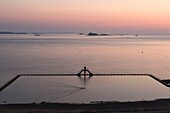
72,89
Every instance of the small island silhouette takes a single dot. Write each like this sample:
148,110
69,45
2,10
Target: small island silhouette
5,32
96,34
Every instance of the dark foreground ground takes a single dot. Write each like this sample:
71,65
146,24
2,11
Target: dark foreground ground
156,106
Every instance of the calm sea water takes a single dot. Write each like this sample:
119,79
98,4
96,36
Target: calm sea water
69,53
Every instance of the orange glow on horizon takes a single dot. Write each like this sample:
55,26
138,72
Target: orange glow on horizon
108,14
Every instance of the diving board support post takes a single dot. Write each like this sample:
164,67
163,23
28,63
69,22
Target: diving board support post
85,72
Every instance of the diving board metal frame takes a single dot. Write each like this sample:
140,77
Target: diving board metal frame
86,73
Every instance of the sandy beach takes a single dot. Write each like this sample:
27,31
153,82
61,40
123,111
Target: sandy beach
156,106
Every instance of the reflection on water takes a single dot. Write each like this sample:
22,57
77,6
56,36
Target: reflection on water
71,89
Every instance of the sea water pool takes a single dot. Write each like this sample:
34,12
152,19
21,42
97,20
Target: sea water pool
72,89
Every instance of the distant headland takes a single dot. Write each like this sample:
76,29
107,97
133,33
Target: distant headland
4,32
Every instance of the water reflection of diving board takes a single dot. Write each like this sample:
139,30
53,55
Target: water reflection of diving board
86,73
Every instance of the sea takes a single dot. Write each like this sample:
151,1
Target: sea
68,53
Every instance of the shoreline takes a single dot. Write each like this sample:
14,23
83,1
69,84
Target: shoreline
155,106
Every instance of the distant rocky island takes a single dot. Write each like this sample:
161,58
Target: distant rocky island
4,32
95,34
105,34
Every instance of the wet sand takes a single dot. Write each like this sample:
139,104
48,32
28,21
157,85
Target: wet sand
156,106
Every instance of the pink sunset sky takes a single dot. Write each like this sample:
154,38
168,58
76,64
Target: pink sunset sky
113,16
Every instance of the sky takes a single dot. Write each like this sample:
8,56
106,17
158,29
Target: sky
111,16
